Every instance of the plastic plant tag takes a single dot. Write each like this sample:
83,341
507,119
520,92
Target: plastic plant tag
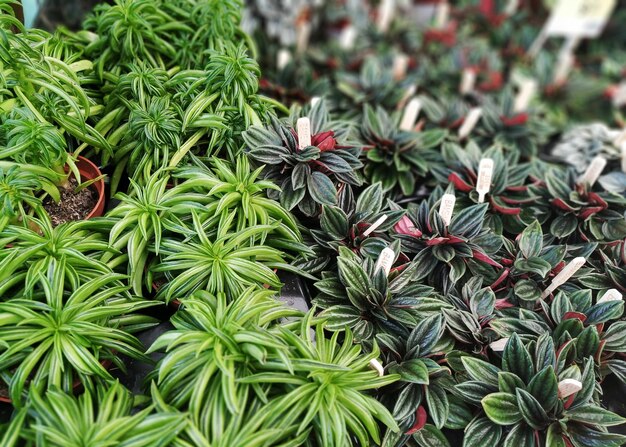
446,207
283,58
593,171
564,65
619,97
376,366
623,148
304,132
527,91
565,274
470,122
583,18
567,387
400,65
499,345
511,7
375,225
385,15
347,37
303,36
442,14
385,261
315,100
485,174
411,112
468,81
610,295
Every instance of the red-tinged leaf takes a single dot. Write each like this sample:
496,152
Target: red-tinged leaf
486,7
459,183
405,226
520,188
501,278
494,82
575,315
595,199
562,205
600,327
505,209
599,351
324,141
503,304
518,120
589,211
483,257
558,268
420,421
570,400
437,241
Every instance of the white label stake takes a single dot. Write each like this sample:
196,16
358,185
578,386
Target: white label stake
619,97
468,81
446,207
304,132
347,37
527,90
610,295
400,65
385,261
443,13
385,15
485,174
565,274
376,366
564,65
593,171
303,36
283,58
511,7
410,115
315,100
470,122
499,345
410,91
567,387
375,225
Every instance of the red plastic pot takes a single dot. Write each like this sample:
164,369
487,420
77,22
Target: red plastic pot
89,171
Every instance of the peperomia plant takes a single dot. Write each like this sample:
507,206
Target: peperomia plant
308,176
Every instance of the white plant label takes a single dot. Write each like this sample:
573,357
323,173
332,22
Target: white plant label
564,65
499,345
511,7
375,225
567,387
583,18
410,115
385,15
470,122
315,100
283,58
468,81
303,36
400,65
526,93
485,174
446,207
347,37
442,15
623,148
594,170
610,295
619,97
304,132
565,274
385,261
376,366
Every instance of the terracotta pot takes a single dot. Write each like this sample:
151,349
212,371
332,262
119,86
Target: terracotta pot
89,171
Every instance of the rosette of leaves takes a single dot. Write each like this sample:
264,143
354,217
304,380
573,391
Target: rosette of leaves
524,132
607,269
233,187
308,177
447,113
328,393
528,265
394,157
345,226
216,343
210,255
522,403
374,84
51,337
360,297
59,419
446,253
421,393
579,213
509,191
30,251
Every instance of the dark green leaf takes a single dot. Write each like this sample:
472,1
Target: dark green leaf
531,410
502,408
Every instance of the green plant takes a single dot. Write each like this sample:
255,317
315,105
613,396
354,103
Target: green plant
308,177
59,338
97,419
394,157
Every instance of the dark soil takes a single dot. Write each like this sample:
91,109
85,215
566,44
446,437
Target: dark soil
4,390
72,206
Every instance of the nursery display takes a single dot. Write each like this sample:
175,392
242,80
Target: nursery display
443,184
